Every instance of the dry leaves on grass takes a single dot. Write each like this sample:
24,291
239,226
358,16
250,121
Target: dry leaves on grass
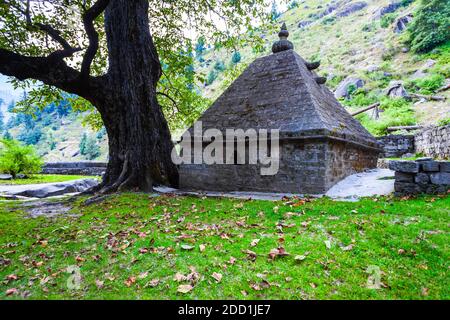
254,242
277,252
217,276
251,255
185,288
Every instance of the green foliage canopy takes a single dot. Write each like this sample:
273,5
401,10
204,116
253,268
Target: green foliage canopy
16,158
175,26
431,25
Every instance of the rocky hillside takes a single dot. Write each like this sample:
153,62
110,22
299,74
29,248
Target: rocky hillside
360,46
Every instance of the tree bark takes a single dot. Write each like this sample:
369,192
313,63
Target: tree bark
139,138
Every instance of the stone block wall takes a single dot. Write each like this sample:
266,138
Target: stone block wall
421,176
77,168
434,142
395,146
307,166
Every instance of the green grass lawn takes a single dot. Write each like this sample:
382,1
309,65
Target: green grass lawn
44,178
134,246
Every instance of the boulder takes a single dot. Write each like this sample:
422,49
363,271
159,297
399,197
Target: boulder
343,87
430,166
423,71
5,177
303,24
404,166
392,7
372,68
440,178
351,8
402,22
49,189
396,90
445,166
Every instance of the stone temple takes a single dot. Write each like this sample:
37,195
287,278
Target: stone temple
319,142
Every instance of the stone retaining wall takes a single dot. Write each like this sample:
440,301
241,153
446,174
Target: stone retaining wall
421,176
431,142
78,168
434,142
395,146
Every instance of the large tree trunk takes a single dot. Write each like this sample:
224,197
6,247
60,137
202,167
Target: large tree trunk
139,138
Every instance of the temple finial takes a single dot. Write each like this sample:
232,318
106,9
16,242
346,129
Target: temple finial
283,44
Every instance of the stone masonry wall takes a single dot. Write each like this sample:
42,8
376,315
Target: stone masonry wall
395,146
434,142
78,168
421,176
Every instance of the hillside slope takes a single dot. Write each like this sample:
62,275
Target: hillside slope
358,39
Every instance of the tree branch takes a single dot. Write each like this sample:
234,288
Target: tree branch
51,71
88,21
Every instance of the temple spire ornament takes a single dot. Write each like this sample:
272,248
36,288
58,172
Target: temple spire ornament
283,44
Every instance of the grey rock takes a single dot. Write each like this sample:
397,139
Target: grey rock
303,24
405,188
404,166
441,178
402,22
424,159
391,7
444,166
396,90
404,177
430,166
372,68
5,177
422,178
351,8
428,65
49,189
408,155
343,87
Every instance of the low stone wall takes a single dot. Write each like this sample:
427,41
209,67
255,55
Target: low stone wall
78,168
434,142
421,176
395,146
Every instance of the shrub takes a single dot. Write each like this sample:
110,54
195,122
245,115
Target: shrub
293,4
236,57
443,122
219,66
427,85
16,158
430,26
212,76
396,112
387,20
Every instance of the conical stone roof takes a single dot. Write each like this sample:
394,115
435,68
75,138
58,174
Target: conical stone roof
279,91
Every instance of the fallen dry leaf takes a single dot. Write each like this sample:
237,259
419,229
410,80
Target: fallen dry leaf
179,277
130,281
12,291
251,255
277,252
217,276
186,247
153,282
202,247
12,277
254,242
185,288
232,260
99,284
